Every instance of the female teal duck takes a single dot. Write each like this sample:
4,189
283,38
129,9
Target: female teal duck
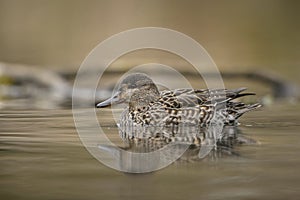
149,107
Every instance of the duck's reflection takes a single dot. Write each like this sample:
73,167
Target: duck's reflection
154,138
192,143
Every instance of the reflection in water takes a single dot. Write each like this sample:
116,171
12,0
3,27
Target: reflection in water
192,143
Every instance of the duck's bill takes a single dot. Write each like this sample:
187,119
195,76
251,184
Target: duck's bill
115,99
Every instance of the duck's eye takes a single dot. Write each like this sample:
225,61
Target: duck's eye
144,108
139,110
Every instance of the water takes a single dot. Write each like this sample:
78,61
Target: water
42,157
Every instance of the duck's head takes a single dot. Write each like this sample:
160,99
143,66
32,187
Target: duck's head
133,85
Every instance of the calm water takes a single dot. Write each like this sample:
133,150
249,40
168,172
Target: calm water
42,158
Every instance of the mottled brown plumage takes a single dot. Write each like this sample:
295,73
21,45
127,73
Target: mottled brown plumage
180,107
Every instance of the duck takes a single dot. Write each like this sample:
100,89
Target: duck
147,106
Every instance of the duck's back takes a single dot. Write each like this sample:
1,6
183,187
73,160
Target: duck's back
191,107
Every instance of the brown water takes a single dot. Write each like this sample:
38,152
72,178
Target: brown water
42,158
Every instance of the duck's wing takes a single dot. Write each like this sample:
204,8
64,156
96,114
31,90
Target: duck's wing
187,97
183,97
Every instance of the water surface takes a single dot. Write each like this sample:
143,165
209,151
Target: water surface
42,157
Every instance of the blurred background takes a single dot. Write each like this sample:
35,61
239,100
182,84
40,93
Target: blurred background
241,36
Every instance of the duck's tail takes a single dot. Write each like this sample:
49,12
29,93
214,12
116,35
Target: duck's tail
246,108
236,109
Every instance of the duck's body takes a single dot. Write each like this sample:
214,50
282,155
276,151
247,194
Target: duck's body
149,107
188,107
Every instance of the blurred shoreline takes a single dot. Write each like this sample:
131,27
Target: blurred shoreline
24,86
